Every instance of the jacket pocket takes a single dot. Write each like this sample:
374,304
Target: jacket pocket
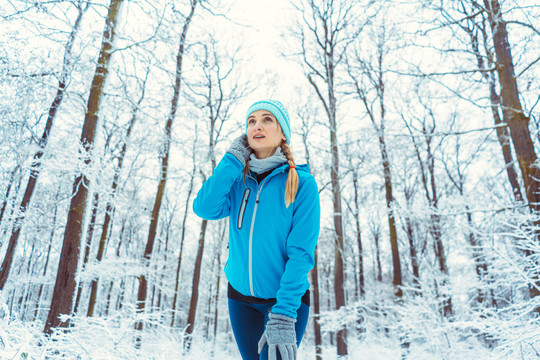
243,207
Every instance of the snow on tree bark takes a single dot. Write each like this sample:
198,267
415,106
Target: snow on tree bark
64,288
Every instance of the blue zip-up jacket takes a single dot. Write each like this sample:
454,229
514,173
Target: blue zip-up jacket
271,247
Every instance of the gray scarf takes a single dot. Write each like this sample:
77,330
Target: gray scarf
259,166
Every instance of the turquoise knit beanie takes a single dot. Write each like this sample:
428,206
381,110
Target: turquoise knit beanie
278,110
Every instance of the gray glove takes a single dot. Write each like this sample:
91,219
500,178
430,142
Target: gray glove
279,334
240,149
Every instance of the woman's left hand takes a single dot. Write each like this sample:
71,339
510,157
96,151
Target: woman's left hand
280,334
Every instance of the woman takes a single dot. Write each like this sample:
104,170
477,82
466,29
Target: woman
273,209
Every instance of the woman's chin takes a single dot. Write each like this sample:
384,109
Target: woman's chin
263,153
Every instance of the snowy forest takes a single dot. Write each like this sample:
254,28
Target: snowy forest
420,121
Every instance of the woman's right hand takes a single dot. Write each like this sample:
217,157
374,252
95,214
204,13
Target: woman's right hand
240,149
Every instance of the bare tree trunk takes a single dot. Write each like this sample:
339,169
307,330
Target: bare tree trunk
90,233
110,204
182,238
397,280
111,284
65,281
412,244
213,287
435,231
216,300
379,128
46,265
190,324
141,297
8,192
427,171
36,164
480,263
511,105
316,309
358,235
330,107
27,274
376,233
375,75
218,282
13,207
515,118
324,37
501,127
314,272
339,273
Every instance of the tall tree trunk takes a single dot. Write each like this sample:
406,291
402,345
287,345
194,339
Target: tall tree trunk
314,272
376,233
339,273
8,192
501,127
218,282
328,24
413,252
36,164
511,105
26,273
47,257
517,121
427,171
216,300
435,229
182,238
190,324
361,290
397,279
13,207
89,234
376,77
111,284
480,264
316,309
65,281
110,204
330,107
141,297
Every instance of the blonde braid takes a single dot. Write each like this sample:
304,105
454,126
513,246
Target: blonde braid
291,187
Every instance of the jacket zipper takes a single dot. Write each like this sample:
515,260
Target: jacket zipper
243,208
250,261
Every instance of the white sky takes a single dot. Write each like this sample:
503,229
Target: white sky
266,21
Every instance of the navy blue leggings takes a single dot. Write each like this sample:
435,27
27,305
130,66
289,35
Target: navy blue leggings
248,321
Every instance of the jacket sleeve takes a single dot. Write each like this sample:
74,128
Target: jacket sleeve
213,199
301,244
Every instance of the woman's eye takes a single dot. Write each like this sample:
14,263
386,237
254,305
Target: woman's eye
267,119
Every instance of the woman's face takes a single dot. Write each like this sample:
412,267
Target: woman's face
264,133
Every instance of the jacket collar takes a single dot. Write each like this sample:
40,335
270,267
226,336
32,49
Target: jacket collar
283,168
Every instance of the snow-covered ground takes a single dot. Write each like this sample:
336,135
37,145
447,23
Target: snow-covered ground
492,337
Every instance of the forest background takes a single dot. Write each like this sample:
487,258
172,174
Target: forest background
420,122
